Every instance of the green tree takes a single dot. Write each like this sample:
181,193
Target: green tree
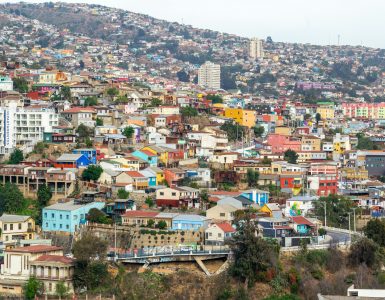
162,224
92,172
99,122
252,177
121,99
44,194
112,92
258,131
189,111
234,131
61,289
12,200
149,202
252,255
97,216
123,194
365,143
337,210
84,132
215,98
33,288
65,93
375,230
365,251
40,147
128,132
150,223
291,156
16,157
90,248
20,84
155,102
91,101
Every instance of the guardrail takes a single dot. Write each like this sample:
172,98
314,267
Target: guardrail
315,247
141,254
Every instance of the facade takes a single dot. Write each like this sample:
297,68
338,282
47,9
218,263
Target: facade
375,163
67,217
243,117
182,196
80,115
72,161
256,49
189,222
91,154
217,234
209,75
15,228
223,212
364,110
6,84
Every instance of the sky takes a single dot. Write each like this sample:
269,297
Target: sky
357,22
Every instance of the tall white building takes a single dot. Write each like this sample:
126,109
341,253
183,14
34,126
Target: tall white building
209,75
256,48
24,127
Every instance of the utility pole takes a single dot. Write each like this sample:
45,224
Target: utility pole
350,232
324,203
354,218
115,241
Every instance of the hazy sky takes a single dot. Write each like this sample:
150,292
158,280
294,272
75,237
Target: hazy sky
305,21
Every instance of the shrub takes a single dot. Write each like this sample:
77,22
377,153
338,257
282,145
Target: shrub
317,274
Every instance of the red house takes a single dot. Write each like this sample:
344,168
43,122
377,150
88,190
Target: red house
280,143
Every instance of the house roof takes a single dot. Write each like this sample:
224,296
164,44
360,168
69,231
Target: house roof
302,221
75,110
13,218
36,249
69,157
55,258
273,206
194,218
226,227
134,174
226,207
140,214
148,153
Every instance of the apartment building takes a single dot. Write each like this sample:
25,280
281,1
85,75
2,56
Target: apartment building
209,75
256,48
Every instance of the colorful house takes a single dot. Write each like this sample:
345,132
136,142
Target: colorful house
272,210
256,196
91,154
72,161
243,117
146,155
302,225
151,177
189,222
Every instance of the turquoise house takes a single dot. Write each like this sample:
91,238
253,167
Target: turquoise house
189,222
151,177
67,217
257,196
147,156
302,225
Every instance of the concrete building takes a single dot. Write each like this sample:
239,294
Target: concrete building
209,75
6,84
15,228
256,48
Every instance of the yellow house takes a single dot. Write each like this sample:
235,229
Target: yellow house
271,209
162,153
326,110
310,143
282,130
243,117
15,227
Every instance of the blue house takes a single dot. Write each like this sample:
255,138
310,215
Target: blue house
72,161
89,153
274,227
147,156
151,177
67,217
302,225
257,196
189,222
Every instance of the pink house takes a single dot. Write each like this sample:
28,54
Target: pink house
280,143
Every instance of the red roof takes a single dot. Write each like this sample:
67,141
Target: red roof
140,214
224,193
78,109
226,227
214,199
302,220
134,174
36,249
56,258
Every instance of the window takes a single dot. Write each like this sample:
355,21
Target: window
61,226
46,225
53,215
45,215
19,226
61,217
173,194
5,226
11,226
222,214
219,235
161,193
67,217
75,217
67,226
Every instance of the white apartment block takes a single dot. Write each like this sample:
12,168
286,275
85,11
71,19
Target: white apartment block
24,126
256,48
209,75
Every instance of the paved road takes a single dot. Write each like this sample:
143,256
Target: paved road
338,236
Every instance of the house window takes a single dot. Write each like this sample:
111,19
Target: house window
61,217
67,226
68,217
161,193
222,214
19,226
61,226
11,227
46,225
45,215
53,215
219,235
173,194
5,226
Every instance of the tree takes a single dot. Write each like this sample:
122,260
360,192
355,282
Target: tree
123,194
65,93
16,157
20,85
215,99
365,143
44,194
291,156
258,131
183,76
189,111
149,202
92,172
61,289
12,200
365,251
252,177
99,122
89,248
162,224
112,92
40,147
128,132
91,101
322,231
155,102
337,210
375,230
150,223
252,255
317,117
234,131
97,216
33,288
83,132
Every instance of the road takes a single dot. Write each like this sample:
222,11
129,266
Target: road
338,236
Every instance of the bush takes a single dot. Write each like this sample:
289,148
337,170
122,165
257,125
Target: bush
317,274
381,278
317,257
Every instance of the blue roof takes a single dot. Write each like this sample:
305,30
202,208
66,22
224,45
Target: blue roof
193,218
